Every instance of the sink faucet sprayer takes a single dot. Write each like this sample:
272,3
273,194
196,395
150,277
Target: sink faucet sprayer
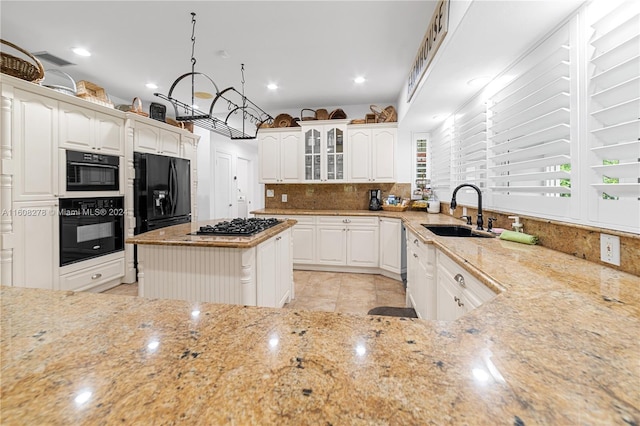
454,203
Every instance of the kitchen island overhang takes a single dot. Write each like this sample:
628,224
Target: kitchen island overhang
255,270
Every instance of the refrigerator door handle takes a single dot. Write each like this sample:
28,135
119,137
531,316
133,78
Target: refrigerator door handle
174,191
173,187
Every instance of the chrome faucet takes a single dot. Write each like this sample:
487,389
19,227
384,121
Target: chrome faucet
454,203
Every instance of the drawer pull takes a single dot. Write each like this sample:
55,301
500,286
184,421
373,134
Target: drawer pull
460,279
415,241
96,247
96,276
415,255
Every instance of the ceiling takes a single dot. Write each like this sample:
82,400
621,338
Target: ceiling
311,49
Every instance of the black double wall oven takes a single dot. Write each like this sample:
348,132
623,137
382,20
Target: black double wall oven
91,226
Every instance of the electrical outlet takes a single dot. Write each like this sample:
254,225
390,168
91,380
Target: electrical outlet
284,198
610,249
270,193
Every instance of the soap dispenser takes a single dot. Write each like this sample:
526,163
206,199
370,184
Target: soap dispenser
516,225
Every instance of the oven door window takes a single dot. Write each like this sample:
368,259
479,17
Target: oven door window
86,237
91,177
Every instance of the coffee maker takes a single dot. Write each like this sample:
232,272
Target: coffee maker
375,199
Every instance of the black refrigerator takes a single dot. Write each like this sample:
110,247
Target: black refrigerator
162,191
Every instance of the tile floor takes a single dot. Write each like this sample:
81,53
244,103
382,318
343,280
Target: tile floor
329,291
345,292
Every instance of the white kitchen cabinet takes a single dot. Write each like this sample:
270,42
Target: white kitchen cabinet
279,155
35,147
332,244
371,153
324,150
274,279
86,130
35,243
345,240
303,235
421,285
458,291
100,274
156,140
392,247
362,245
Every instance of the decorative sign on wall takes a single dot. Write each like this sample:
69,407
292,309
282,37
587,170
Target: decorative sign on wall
436,32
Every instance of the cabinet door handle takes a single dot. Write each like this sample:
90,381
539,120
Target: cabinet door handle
460,279
460,303
415,241
95,276
415,255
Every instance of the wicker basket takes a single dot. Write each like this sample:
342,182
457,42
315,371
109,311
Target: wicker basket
322,114
394,208
17,67
337,114
282,120
136,107
85,89
307,117
386,115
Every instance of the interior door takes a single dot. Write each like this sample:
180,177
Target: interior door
223,189
243,193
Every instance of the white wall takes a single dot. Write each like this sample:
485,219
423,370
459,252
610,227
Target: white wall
204,174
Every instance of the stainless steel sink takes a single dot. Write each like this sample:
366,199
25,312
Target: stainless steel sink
456,231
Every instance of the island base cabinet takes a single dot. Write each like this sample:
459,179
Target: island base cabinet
275,271
197,274
256,276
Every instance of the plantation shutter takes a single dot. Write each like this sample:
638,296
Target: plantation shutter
614,111
530,129
469,150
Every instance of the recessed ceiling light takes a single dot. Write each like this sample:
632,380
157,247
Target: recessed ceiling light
81,52
359,80
479,81
272,86
151,86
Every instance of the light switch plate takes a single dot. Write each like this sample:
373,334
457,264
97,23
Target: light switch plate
284,198
610,249
270,193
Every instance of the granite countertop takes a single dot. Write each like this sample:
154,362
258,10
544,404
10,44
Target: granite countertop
558,345
184,235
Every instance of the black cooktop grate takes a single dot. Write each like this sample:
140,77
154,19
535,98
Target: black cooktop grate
238,227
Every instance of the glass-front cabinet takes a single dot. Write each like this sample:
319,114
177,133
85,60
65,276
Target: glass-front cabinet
312,154
335,154
324,151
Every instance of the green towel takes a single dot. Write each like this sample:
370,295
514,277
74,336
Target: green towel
519,237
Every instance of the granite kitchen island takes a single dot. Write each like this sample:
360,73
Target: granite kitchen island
254,270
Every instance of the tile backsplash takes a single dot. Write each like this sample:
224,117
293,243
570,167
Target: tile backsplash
338,196
577,240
